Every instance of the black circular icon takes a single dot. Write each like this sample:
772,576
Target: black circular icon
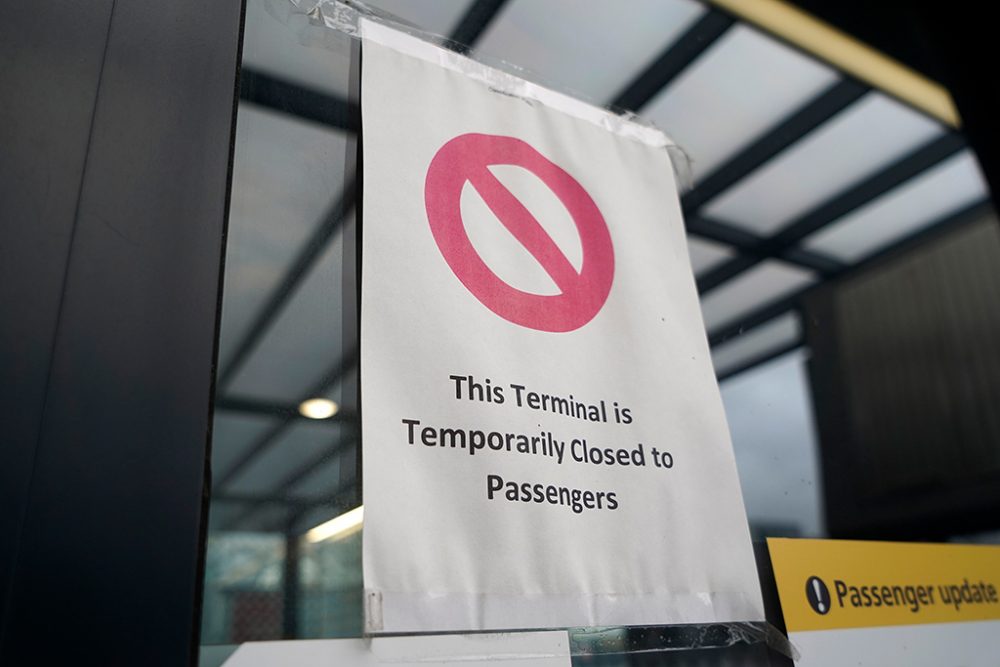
818,595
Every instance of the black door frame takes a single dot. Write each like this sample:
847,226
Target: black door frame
116,127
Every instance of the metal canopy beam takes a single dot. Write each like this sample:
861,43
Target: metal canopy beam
343,499
749,244
272,93
918,161
291,98
268,91
769,311
327,382
674,59
825,106
930,154
761,358
474,23
255,406
308,255
282,488
289,500
298,100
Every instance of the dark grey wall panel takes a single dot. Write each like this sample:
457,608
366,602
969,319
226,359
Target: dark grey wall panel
107,571
906,372
50,63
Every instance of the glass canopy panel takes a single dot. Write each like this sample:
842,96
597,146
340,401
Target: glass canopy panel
317,517
868,136
268,517
440,17
590,48
779,332
285,174
222,513
756,287
771,420
348,380
332,502
276,49
929,198
707,254
743,85
302,442
304,343
322,480
232,433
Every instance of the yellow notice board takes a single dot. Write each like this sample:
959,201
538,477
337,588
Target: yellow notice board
826,584
870,602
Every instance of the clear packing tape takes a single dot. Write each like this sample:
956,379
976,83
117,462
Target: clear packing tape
704,645
315,20
604,642
319,23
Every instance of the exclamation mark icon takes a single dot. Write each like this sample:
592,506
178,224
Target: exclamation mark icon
818,595
820,605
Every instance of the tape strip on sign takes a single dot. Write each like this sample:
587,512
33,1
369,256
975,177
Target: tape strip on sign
543,439
829,584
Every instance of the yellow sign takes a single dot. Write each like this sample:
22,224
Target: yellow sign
827,584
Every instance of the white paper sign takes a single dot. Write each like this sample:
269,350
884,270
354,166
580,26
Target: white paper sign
544,443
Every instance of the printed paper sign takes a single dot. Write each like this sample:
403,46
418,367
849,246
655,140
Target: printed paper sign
544,443
881,603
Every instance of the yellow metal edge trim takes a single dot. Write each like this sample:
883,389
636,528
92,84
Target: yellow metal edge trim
847,53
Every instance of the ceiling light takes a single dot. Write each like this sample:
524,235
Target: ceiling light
339,526
318,408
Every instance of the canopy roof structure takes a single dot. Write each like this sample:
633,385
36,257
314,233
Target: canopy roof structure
801,173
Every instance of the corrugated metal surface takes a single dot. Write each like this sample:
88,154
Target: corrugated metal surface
906,379
921,352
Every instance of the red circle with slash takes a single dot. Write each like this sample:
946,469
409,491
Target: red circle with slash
466,159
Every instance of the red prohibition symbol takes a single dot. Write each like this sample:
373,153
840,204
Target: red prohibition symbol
467,158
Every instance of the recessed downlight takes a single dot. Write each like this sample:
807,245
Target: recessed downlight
318,408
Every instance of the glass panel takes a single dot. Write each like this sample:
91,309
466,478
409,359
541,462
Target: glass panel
871,134
299,445
343,384
284,171
771,420
766,338
265,577
271,47
243,577
232,432
304,343
322,478
215,655
332,589
743,85
288,175
752,289
588,47
706,254
922,201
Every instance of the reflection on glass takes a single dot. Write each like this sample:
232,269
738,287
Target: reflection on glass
284,545
318,408
770,417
